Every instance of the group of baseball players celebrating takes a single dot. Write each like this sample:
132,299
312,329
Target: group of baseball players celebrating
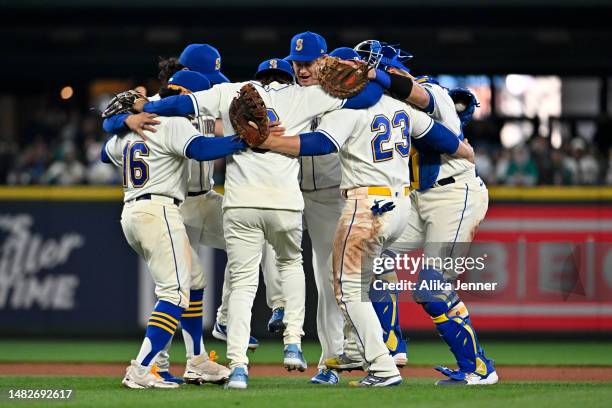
386,171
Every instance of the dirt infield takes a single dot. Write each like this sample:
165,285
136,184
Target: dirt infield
509,373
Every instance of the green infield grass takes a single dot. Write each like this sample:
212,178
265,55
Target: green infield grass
430,353
295,392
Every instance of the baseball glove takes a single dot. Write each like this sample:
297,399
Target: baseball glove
342,80
465,103
122,103
247,107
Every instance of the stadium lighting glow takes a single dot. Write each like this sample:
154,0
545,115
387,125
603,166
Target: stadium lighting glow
66,92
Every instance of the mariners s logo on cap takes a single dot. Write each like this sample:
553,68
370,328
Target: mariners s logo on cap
273,64
299,44
218,64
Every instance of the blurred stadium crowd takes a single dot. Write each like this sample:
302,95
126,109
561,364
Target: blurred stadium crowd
59,147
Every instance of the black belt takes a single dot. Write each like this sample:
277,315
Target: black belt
196,193
177,202
445,181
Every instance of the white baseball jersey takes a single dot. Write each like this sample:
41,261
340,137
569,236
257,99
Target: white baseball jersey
444,112
201,172
158,165
374,147
319,172
266,180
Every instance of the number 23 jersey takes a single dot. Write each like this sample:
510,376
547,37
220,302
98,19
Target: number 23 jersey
158,165
374,143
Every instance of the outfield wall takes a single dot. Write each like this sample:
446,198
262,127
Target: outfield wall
66,269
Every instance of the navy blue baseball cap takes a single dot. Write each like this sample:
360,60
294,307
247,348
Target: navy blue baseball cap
307,47
277,65
206,60
190,80
345,53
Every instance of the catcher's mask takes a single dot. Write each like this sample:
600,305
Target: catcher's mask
382,55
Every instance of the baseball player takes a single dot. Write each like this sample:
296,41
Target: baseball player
319,183
155,174
259,205
450,201
201,210
373,146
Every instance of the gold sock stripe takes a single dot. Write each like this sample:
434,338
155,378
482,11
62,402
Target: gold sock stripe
161,326
191,314
194,303
164,321
194,309
162,314
440,319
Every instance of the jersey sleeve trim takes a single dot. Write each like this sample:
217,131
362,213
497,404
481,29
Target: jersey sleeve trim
187,143
330,137
429,126
196,105
110,156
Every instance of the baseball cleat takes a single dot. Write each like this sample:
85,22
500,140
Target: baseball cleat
167,375
294,360
372,380
343,363
220,333
202,369
325,376
138,377
485,374
275,324
238,379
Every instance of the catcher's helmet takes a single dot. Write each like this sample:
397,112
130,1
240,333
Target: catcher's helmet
382,55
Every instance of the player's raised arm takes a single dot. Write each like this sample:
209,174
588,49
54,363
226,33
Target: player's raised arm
137,123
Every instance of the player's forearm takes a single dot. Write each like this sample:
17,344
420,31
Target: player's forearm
211,148
464,151
289,145
369,96
178,105
404,88
115,124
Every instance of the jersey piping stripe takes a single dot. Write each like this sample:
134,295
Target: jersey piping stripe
467,189
330,137
348,233
196,107
110,156
268,88
188,142
425,131
178,282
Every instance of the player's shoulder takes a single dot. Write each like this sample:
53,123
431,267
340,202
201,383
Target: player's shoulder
170,125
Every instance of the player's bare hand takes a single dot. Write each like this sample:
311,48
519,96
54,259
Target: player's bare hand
276,129
466,151
141,122
139,104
